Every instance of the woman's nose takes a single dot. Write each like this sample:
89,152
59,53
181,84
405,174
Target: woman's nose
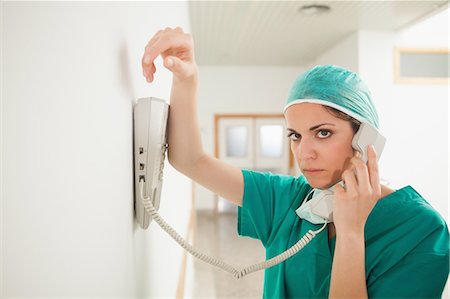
306,150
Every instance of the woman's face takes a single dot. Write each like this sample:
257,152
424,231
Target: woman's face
321,143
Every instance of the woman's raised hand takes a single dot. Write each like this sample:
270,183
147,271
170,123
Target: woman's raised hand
352,205
177,51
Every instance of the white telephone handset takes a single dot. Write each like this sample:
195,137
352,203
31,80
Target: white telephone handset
366,135
321,205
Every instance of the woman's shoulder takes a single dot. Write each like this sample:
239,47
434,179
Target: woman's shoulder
406,209
407,198
404,223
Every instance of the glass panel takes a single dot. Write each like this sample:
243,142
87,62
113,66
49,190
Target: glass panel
237,141
433,65
271,141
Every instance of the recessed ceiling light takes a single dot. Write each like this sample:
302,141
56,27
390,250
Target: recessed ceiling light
314,9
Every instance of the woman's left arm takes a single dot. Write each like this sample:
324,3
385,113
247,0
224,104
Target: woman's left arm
348,276
351,207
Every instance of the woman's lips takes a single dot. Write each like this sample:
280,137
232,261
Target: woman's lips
312,171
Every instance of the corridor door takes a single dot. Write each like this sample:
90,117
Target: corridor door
256,142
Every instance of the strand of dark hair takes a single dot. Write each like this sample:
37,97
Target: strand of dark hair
339,114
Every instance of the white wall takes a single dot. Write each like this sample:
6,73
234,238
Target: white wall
428,120
344,53
414,118
238,90
70,74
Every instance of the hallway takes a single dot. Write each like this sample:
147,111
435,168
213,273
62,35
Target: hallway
218,236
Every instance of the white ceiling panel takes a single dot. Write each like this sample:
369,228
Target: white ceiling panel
275,33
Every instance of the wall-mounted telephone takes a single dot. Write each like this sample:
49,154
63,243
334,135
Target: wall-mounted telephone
150,144
319,209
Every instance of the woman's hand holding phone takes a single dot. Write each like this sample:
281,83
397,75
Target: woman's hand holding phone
353,204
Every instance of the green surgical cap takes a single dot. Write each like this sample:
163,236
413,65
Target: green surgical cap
335,87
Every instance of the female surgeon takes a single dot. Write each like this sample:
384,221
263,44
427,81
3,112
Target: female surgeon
383,243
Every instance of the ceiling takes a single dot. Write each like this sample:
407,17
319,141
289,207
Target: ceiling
275,33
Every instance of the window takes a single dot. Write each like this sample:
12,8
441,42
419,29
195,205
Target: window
422,66
271,140
237,141
253,141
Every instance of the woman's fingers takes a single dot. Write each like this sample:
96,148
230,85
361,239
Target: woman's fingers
361,172
173,64
167,42
372,165
367,182
179,29
351,184
353,205
148,67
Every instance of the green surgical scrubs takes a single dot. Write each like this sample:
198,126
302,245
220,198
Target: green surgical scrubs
407,242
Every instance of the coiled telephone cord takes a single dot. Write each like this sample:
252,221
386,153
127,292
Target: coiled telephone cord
147,203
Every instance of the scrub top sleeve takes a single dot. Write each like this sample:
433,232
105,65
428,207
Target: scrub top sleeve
254,217
266,200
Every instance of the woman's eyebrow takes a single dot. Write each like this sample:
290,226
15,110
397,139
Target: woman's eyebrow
313,128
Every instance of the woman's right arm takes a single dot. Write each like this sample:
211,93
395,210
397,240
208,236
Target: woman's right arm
185,151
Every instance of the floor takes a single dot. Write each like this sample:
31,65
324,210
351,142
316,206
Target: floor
217,236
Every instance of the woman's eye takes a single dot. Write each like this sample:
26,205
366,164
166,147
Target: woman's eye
294,136
323,134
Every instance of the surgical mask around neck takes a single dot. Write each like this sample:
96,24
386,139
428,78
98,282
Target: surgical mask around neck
319,209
